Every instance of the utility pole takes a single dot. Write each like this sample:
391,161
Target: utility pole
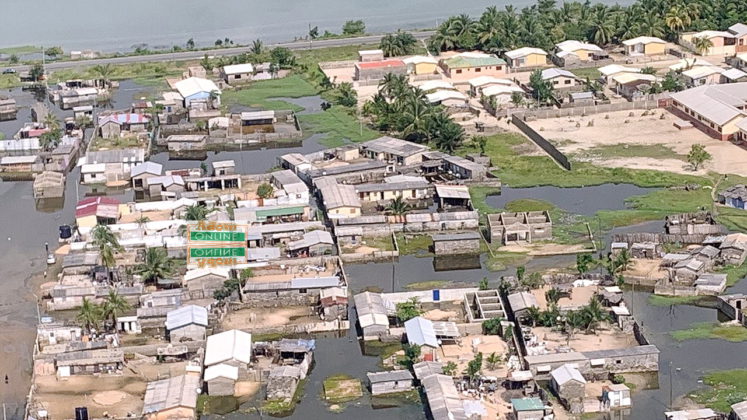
671,391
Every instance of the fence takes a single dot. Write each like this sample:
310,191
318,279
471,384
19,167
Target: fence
653,102
660,238
542,142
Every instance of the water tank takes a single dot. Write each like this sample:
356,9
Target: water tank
436,295
66,232
81,413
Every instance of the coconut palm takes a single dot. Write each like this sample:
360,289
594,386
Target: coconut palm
398,207
156,266
114,305
593,314
89,315
51,122
257,47
102,235
534,314
702,44
103,72
651,24
346,95
414,116
400,43
677,18
488,26
623,260
493,359
393,86
601,29
196,212
449,136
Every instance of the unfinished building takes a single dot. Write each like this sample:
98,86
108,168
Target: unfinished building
508,228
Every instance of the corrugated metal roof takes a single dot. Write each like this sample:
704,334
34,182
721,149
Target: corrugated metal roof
221,371
186,315
394,375
229,345
567,373
177,391
468,59
420,331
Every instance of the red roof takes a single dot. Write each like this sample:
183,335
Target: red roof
100,206
377,64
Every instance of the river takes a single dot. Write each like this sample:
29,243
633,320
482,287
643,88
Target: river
89,24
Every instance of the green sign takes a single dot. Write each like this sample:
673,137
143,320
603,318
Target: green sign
217,252
217,236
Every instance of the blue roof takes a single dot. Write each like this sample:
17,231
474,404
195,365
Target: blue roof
420,331
527,404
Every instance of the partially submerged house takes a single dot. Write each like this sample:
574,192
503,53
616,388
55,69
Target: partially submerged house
373,314
570,387
49,184
508,228
456,243
313,244
390,382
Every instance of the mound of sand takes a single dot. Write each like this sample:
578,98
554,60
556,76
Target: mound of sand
107,398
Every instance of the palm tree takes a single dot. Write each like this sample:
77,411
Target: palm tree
51,122
346,95
677,18
196,212
414,118
534,314
623,260
702,44
114,305
141,221
488,27
601,30
103,72
593,314
393,85
156,266
651,25
493,359
449,137
89,315
257,48
102,235
398,207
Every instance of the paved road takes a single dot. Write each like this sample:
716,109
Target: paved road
192,55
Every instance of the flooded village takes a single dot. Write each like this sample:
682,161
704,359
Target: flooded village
371,232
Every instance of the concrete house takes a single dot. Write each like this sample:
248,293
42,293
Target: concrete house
231,347
221,379
390,149
171,398
373,314
224,167
577,51
477,84
611,70
735,197
420,65
313,244
456,243
559,78
702,75
376,70
340,200
616,396
49,184
8,108
738,411
723,42
526,57
390,382
166,185
111,166
195,89
89,362
466,65
186,142
187,323
632,85
734,248
97,210
367,56
202,282
529,409
714,109
570,386
644,45
20,163
733,76
520,302
388,191
113,125
140,173
462,168
510,228
237,73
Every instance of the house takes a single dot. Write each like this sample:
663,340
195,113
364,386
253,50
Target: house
390,382
291,188
714,109
508,228
196,89
526,57
702,75
49,184
738,411
722,42
237,73
444,401
112,126
739,32
577,51
462,168
692,223
429,334
735,197
175,397
632,85
420,65
166,185
616,396
502,94
255,118
8,108
203,282
110,166
221,379
92,211
386,192
376,70
231,347
570,386
453,196
477,84
644,45
695,414
734,248
295,162
367,56
89,362
224,167
20,163
529,408
140,173
447,98
647,250
340,200
710,284
313,244
733,76
186,142
520,302
688,270
282,382
466,65
559,78
187,323
614,69
456,243
390,149
373,315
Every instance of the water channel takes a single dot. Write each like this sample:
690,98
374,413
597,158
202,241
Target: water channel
26,225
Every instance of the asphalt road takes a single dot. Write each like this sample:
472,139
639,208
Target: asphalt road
192,55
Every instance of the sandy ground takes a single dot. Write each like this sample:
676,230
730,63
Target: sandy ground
439,315
579,297
363,249
269,317
643,130
116,395
462,354
545,249
648,269
246,388
604,339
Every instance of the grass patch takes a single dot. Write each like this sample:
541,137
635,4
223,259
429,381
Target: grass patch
20,50
592,73
656,151
734,219
222,405
419,245
396,399
657,300
500,260
734,273
479,195
342,388
100,143
258,94
383,243
315,56
339,125
281,408
8,81
267,337
150,73
529,204
727,387
708,330
427,285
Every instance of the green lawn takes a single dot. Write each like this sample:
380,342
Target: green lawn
727,387
8,81
734,273
19,50
342,388
153,73
259,94
418,245
709,330
591,72
338,125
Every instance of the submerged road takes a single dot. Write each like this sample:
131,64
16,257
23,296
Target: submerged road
219,52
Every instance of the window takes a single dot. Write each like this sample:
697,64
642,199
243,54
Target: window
618,362
568,82
303,291
459,71
554,82
478,70
352,211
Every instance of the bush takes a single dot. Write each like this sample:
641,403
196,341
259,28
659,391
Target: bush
617,379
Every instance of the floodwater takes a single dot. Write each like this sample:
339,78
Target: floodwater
583,200
87,24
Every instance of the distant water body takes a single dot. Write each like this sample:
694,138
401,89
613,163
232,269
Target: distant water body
117,26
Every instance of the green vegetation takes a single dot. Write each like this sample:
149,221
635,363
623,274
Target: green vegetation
8,81
528,204
342,388
20,50
708,330
655,151
588,72
147,73
383,243
220,405
500,260
408,310
657,300
396,399
734,273
267,337
258,94
338,125
100,143
280,408
727,387
418,245
479,195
